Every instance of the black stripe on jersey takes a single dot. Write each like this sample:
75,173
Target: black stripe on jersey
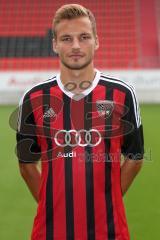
108,169
89,172
68,174
49,184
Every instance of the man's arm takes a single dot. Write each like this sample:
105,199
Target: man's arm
129,170
28,149
132,146
31,176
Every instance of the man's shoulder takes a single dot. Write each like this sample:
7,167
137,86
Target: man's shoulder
40,86
115,82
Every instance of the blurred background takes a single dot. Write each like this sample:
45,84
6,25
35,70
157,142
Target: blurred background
129,33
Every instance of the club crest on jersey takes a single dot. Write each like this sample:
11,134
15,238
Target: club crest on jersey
104,108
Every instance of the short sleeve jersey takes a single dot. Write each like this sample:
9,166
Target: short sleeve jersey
79,140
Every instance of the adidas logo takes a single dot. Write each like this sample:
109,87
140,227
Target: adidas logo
49,113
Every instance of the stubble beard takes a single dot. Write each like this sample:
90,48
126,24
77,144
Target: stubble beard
76,67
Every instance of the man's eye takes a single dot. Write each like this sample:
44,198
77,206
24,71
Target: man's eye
66,39
85,37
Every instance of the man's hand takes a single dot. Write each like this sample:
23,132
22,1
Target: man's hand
31,176
129,170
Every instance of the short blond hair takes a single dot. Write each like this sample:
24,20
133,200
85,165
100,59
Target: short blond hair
72,11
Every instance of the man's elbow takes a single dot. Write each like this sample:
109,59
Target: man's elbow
26,169
23,170
134,165
137,165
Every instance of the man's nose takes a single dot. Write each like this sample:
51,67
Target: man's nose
75,44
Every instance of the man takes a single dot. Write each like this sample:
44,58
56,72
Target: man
78,123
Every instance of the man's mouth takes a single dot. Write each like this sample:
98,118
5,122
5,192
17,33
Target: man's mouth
76,55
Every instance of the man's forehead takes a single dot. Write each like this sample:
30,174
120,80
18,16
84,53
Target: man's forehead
75,33
74,26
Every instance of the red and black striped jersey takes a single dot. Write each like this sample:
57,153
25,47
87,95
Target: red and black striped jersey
80,139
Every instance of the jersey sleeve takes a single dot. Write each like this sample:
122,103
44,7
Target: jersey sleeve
28,149
133,141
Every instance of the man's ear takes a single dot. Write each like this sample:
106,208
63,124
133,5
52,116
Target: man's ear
54,45
96,42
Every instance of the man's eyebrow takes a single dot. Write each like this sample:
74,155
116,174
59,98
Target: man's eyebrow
65,35
68,35
85,33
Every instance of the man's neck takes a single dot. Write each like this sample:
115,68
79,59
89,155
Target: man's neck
77,77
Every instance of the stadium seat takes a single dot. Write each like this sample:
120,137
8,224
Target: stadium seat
26,33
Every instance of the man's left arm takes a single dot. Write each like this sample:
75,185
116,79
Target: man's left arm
129,170
133,143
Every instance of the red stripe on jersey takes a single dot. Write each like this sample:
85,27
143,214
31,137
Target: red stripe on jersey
79,180
39,227
98,122
59,203
121,228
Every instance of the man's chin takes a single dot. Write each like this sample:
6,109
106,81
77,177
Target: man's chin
76,66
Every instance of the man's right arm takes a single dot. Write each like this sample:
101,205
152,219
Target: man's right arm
28,149
31,176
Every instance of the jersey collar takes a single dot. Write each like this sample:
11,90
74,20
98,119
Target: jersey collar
82,94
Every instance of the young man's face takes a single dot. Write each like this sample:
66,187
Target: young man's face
75,43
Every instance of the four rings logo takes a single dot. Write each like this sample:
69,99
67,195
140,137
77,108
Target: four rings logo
74,138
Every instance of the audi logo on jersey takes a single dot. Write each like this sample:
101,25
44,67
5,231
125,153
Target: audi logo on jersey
75,138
